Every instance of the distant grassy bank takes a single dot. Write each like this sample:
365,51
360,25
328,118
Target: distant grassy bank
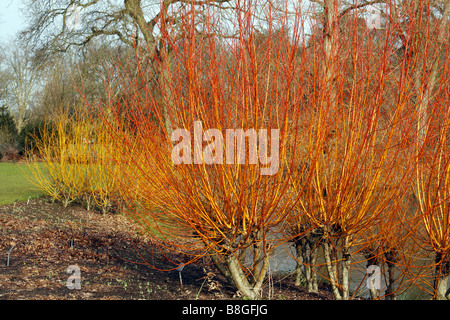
14,183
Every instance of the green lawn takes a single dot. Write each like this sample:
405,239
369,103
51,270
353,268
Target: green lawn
14,183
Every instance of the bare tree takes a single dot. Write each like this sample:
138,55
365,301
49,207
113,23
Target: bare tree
66,73
3,77
57,25
19,81
60,24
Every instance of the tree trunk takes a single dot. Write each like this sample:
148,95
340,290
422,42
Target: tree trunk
442,275
242,281
313,285
330,35
160,57
390,295
331,268
346,270
306,258
441,287
300,261
374,293
223,269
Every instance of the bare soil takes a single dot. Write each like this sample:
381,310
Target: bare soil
47,238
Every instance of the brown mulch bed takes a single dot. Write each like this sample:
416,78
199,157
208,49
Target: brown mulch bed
48,238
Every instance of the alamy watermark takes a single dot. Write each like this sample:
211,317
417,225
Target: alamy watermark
74,281
235,140
73,17
374,277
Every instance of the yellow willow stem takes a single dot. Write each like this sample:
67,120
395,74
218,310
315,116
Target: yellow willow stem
319,188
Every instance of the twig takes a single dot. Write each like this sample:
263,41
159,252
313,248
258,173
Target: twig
201,287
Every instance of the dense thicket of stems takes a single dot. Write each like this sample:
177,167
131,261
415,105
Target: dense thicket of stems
351,117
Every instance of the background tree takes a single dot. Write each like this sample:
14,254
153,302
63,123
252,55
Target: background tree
8,132
71,72
20,79
133,22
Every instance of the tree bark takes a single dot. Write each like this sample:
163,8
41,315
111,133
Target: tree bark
442,275
330,35
223,270
390,295
313,285
241,280
306,260
331,268
346,270
300,259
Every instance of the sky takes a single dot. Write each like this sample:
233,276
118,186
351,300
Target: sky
11,19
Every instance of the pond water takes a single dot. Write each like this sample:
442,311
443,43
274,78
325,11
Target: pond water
283,263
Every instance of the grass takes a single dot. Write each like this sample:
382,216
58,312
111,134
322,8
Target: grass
15,184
